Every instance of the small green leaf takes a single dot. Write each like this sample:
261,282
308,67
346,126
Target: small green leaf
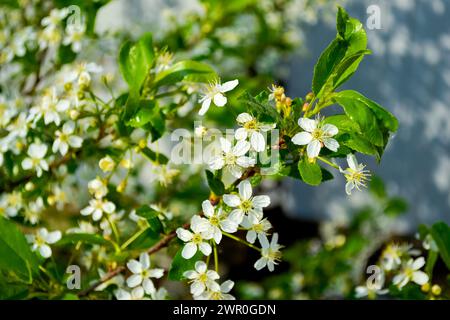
151,215
360,144
187,70
441,235
377,187
135,61
180,265
311,173
215,184
343,123
259,106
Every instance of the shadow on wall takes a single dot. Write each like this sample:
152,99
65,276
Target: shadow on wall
409,74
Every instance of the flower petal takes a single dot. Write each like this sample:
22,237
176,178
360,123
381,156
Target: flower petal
229,85
307,124
313,149
302,138
245,190
189,250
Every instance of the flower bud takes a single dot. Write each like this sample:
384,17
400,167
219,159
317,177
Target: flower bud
106,164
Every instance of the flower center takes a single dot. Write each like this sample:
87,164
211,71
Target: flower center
202,277
317,134
230,158
251,125
246,205
214,220
197,239
258,228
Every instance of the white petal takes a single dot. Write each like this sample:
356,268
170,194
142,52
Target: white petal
189,250
330,129
352,162
245,190
313,149
245,162
191,274
241,148
27,164
200,267
53,237
349,187
205,106
229,85
307,124
302,138
229,225
261,201
240,134
225,145
75,141
148,286
420,277
134,280
184,234
197,288
236,216
231,200
260,263
418,263
45,251
251,236
243,118
235,170
216,163
264,241
144,259
208,209
134,266
220,100
257,141
331,144
205,248
227,286
156,273
199,224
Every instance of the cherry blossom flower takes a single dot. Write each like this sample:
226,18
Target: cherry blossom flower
411,272
142,273
233,158
244,203
218,220
41,241
270,253
195,240
256,226
355,174
252,128
202,279
97,207
221,293
315,136
35,160
66,138
215,93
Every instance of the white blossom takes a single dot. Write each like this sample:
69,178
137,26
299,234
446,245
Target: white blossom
215,93
195,240
256,226
135,294
270,253
244,203
74,36
315,136
66,138
97,207
233,158
142,273
35,160
252,128
411,272
202,279
98,188
41,240
222,293
49,107
355,174
218,220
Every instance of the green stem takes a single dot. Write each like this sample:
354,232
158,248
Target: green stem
132,238
241,241
115,232
328,162
216,257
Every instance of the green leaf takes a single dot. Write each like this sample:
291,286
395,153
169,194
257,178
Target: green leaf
343,123
15,253
180,265
144,114
215,183
12,291
358,111
431,261
387,119
260,106
136,60
341,58
311,173
441,235
187,70
360,144
151,215
74,238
